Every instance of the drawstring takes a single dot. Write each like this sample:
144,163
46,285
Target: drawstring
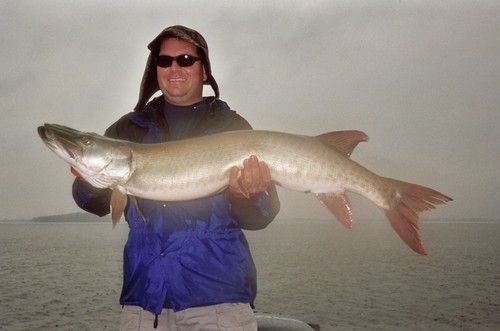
155,323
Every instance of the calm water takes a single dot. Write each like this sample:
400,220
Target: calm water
62,276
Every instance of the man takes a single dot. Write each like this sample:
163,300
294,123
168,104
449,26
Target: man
188,265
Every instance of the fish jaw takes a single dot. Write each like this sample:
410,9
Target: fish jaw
61,142
101,161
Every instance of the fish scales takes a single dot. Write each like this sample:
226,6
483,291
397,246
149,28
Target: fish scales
194,168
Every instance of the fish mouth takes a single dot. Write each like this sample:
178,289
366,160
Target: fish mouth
61,140
47,137
42,132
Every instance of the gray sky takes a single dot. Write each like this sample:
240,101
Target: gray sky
421,78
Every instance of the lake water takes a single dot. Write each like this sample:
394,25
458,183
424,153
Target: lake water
67,276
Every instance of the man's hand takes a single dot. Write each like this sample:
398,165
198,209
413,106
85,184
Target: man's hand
255,178
76,173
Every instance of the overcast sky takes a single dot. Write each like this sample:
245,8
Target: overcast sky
421,78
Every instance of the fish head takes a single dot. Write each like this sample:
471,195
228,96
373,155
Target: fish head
102,161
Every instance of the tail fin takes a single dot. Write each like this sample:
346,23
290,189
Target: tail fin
403,216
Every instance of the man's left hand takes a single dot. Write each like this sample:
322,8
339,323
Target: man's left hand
255,178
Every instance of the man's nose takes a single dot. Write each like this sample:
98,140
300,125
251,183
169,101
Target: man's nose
175,66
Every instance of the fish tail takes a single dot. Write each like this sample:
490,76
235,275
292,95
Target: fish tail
409,201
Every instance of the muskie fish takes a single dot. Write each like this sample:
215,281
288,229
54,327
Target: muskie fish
199,167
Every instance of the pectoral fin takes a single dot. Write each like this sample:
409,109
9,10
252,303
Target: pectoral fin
338,204
118,204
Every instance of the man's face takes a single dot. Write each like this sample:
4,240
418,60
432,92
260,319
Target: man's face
182,86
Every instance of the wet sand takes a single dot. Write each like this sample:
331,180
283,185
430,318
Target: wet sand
67,276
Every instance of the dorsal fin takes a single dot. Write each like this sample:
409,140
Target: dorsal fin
343,141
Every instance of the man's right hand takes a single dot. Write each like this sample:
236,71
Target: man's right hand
76,173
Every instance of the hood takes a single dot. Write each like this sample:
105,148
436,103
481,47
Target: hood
149,84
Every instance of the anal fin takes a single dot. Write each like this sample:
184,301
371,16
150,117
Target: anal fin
338,204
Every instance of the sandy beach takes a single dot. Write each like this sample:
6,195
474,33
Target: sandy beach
67,276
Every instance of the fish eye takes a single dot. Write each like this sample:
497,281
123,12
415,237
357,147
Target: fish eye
86,140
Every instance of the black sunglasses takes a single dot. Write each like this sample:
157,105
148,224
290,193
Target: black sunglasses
184,60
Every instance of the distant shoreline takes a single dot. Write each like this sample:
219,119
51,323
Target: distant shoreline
79,217
82,217
71,218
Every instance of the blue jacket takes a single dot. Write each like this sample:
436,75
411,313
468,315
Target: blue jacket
190,253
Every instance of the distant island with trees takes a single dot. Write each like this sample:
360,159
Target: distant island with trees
72,218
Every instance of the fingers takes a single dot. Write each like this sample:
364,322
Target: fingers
235,184
76,173
255,177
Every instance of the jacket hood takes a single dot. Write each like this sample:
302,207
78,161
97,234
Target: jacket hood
149,84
